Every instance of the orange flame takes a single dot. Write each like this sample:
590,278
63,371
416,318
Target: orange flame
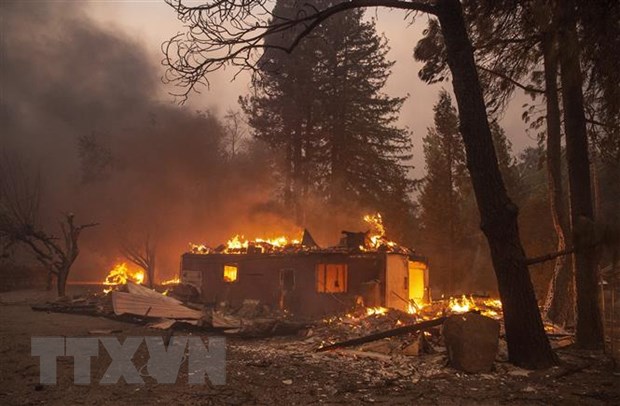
376,311
173,281
240,243
487,307
119,275
376,234
461,305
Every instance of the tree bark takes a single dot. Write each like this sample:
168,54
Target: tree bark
528,345
589,333
297,170
61,283
559,305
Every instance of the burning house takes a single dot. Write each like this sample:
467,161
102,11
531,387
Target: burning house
299,277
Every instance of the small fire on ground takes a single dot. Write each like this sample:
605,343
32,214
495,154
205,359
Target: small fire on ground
173,281
392,318
453,305
119,275
486,307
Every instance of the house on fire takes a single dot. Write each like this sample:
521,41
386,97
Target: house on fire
306,280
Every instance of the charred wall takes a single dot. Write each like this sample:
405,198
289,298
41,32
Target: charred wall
268,278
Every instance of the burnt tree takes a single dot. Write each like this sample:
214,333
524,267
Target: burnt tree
559,302
19,224
57,255
528,345
144,256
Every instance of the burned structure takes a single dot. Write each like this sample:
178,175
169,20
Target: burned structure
308,281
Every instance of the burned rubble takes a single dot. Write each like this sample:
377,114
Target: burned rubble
359,332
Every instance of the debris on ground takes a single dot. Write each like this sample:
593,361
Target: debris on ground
471,339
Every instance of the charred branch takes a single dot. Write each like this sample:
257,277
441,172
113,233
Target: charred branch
19,211
143,256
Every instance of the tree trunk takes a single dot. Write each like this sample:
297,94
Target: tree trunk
150,275
452,211
589,334
297,171
559,305
61,282
288,176
528,345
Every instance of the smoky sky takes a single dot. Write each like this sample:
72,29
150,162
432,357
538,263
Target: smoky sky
78,106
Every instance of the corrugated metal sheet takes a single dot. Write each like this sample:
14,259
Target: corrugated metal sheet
128,303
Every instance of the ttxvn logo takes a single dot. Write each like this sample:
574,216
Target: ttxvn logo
163,363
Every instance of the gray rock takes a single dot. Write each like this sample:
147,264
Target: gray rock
471,341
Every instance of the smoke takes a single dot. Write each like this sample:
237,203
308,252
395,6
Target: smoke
78,105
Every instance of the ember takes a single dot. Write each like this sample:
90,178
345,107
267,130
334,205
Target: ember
174,281
119,275
376,311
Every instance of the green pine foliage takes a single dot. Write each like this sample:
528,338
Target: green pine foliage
323,111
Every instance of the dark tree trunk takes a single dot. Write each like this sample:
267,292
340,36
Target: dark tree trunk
63,274
589,332
297,171
288,176
452,211
528,345
150,274
559,305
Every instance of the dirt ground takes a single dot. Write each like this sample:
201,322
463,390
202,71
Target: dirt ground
286,371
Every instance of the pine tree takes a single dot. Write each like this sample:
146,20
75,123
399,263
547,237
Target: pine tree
451,224
365,147
441,192
323,109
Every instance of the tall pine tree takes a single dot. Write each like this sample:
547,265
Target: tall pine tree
441,193
451,224
322,108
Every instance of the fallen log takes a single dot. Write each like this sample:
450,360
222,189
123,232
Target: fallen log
384,334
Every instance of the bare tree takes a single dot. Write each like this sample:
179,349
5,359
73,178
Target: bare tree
142,255
19,224
222,33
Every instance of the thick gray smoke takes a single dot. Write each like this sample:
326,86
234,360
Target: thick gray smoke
77,104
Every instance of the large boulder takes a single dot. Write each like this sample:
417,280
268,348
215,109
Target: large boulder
472,341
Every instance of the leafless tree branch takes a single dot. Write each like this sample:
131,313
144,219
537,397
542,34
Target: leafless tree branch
143,256
19,206
233,33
